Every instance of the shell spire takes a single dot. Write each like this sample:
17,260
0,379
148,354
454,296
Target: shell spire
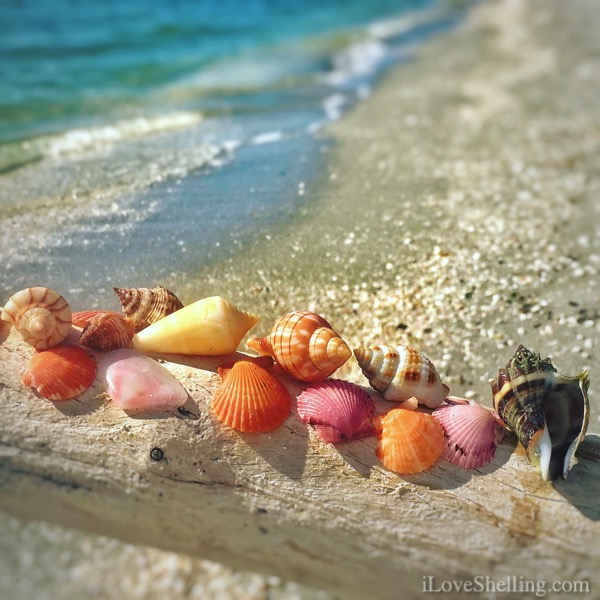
400,372
209,326
145,306
41,315
548,412
304,345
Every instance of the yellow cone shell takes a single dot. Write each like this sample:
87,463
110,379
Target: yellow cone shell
207,327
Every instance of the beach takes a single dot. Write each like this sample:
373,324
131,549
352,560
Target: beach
457,210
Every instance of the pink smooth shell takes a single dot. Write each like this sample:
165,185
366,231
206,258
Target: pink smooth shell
471,432
137,382
338,410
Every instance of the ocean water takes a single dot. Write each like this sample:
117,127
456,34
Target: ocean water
140,141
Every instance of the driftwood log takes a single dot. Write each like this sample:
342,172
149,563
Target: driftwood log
284,503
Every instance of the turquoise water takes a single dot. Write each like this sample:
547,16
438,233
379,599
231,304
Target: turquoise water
67,64
138,139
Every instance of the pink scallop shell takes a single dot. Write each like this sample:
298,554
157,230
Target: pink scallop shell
471,431
338,410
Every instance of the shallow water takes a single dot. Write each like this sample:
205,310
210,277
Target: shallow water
136,145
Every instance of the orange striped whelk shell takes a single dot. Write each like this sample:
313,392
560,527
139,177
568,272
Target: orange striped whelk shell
60,373
250,399
304,345
41,315
410,441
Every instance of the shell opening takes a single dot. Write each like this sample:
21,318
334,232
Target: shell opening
565,412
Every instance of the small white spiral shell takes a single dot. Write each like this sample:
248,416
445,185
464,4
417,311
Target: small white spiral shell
41,315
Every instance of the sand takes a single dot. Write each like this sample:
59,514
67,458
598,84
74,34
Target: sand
459,213
461,209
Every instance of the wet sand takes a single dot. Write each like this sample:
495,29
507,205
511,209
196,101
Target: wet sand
459,214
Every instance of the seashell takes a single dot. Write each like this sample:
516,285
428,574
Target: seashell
410,441
207,327
60,373
145,306
400,372
5,327
83,317
338,410
137,382
304,345
548,412
41,315
472,433
107,331
250,399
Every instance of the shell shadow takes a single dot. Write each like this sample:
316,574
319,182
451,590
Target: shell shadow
188,411
285,448
85,404
582,486
361,456
446,476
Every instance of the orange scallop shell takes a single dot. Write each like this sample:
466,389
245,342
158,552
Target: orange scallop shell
410,441
250,399
60,373
304,345
107,331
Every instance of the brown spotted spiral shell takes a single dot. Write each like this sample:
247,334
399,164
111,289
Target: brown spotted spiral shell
400,372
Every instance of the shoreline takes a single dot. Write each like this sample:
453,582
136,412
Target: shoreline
411,236
455,219
182,190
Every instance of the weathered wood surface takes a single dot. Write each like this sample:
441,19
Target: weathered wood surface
285,503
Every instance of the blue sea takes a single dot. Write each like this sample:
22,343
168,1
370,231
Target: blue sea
140,140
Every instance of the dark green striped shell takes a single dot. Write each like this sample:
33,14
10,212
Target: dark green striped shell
542,407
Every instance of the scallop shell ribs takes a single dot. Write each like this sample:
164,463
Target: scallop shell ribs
410,441
250,399
472,433
304,345
338,410
41,315
60,373
400,372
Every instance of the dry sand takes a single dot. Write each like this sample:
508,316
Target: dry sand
460,215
